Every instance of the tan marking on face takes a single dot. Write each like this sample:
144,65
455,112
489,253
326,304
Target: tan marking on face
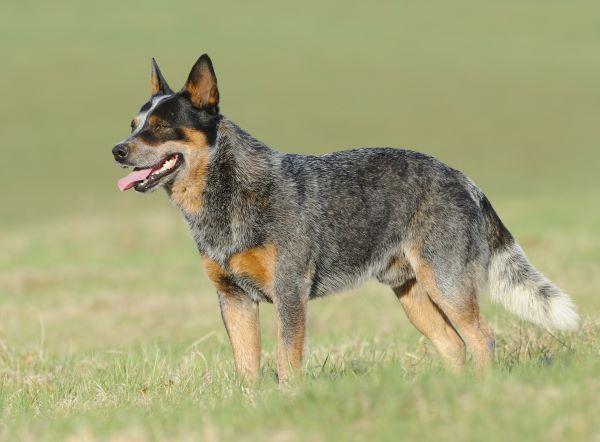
187,190
257,264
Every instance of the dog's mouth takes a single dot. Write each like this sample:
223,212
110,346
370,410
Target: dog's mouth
145,179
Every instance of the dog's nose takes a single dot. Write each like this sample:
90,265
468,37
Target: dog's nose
120,151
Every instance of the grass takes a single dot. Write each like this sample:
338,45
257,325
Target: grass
159,393
110,331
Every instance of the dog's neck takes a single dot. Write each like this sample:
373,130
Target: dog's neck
231,195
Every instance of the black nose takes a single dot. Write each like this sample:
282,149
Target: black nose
120,151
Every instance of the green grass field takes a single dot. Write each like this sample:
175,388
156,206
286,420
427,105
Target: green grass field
109,330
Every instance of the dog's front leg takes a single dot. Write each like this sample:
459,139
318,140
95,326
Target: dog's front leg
291,335
240,315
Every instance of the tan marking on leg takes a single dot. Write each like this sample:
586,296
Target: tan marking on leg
258,264
476,332
467,319
240,315
432,323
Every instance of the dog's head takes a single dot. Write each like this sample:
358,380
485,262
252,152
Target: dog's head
172,133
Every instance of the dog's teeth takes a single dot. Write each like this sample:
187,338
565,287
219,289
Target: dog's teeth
166,166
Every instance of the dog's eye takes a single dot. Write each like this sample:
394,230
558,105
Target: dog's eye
132,124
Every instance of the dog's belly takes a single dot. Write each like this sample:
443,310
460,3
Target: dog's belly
393,271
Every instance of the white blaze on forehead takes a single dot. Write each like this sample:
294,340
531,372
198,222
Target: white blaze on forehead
144,115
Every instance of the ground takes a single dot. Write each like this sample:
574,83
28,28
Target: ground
109,328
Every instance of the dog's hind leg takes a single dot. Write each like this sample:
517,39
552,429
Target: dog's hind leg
427,317
476,332
462,310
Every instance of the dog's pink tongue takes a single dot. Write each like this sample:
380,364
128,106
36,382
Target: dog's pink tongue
133,178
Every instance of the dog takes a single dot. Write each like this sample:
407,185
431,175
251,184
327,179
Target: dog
287,228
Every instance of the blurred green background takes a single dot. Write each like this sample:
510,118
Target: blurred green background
108,326
505,91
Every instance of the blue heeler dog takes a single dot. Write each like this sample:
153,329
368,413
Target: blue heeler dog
289,228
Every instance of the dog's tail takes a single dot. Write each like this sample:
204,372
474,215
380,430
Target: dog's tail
518,285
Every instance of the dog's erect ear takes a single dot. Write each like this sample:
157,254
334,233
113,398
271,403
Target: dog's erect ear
159,84
202,86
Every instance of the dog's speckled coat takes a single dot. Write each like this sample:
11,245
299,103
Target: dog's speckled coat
287,228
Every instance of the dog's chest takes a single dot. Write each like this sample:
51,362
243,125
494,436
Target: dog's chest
231,237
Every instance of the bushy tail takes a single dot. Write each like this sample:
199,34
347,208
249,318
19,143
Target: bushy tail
520,287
